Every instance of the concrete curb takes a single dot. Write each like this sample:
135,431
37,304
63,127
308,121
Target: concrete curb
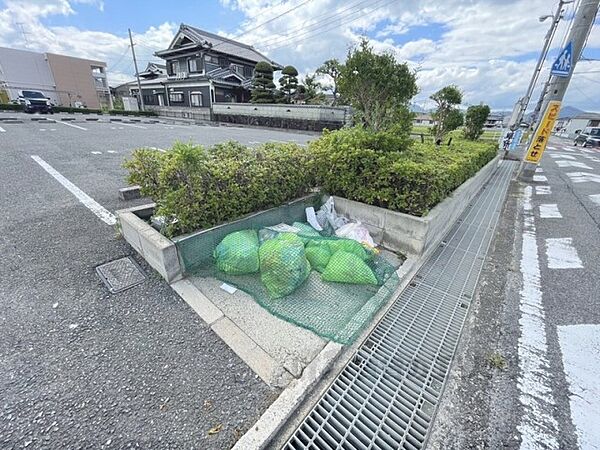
155,248
412,234
288,401
263,364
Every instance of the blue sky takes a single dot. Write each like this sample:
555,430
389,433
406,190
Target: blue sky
487,47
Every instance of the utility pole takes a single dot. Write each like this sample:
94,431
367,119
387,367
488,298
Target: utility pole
582,24
521,105
137,73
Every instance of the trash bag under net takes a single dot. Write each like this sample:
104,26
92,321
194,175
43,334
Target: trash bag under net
345,267
318,254
237,253
283,264
347,245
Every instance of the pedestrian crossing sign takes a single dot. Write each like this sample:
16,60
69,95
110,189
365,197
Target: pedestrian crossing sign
564,63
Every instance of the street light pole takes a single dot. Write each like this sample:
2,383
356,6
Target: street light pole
521,105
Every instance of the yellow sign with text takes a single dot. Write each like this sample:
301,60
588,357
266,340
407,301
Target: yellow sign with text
542,134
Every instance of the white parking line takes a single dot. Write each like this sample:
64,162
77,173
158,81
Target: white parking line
134,126
543,190
537,426
580,348
102,213
71,125
595,198
564,163
541,178
2,130
561,254
550,211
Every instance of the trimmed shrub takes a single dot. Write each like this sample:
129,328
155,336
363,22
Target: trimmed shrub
122,112
68,109
412,180
203,187
11,107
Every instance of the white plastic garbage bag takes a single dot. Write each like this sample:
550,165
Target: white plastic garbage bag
327,215
357,232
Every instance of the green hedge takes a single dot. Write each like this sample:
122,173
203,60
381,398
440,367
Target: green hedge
411,179
203,187
11,107
122,112
68,109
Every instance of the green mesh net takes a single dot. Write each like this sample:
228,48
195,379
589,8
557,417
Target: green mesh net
328,285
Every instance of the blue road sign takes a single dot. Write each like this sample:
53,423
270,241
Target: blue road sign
564,63
516,139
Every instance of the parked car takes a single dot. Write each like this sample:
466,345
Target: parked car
35,101
589,136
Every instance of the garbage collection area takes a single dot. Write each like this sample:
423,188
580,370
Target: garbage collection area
325,276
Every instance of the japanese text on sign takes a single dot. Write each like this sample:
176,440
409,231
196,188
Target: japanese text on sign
542,134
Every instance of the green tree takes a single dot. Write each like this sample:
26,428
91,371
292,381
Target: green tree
262,83
475,120
312,91
378,88
447,99
288,82
332,68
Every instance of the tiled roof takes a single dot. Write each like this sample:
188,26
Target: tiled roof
225,45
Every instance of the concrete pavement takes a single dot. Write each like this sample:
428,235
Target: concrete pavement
80,367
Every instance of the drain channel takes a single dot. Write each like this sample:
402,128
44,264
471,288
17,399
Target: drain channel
387,395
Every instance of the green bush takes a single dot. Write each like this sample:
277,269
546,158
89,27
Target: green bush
68,109
203,187
122,112
412,180
11,107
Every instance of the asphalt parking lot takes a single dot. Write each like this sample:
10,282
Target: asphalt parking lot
80,367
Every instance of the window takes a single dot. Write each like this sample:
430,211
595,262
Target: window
212,59
148,99
196,99
195,65
176,97
248,71
238,69
173,67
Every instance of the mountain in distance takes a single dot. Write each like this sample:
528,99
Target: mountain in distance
569,111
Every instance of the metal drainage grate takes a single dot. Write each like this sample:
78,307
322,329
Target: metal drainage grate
387,395
120,274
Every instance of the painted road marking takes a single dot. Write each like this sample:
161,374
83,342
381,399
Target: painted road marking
71,125
111,151
595,198
537,426
580,347
551,148
2,130
102,213
543,190
562,156
156,148
96,153
583,177
541,178
561,254
539,170
580,165
550,211
134,126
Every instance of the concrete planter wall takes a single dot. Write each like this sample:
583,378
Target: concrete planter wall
157,250
411,234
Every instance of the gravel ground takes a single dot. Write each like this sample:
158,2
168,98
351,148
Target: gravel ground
80,367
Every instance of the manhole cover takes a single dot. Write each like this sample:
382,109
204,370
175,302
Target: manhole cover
120,274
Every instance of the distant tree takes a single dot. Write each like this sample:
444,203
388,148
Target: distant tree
475,120
262,83
312,91
446,119
288,82
332,68
378,88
